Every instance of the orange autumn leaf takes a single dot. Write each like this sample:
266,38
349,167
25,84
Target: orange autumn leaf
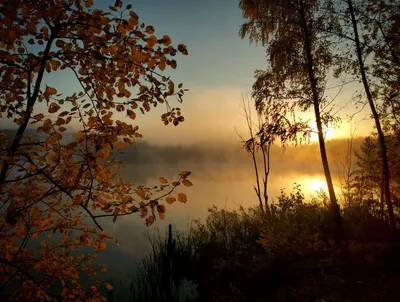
170,199
163,180
131,114
182,198
53,108
50,91
187,183
68,182
141,193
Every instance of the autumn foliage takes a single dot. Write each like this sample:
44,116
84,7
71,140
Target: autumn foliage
54,189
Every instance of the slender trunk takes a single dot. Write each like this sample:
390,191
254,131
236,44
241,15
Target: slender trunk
257,188
31,100
335,209
381,137
382,201
266,161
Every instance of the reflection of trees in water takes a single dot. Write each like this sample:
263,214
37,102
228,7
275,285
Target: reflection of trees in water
223,162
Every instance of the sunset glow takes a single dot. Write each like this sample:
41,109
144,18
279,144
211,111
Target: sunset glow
317,185
329,133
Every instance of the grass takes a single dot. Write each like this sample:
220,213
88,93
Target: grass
291,255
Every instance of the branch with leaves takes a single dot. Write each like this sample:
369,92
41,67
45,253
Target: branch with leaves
52,181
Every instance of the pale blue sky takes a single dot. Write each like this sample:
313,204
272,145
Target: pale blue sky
218,69
217,56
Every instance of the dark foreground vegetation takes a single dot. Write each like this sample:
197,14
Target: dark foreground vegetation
289,255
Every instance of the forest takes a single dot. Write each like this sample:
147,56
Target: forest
78,77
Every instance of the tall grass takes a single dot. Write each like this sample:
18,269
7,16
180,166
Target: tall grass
245,254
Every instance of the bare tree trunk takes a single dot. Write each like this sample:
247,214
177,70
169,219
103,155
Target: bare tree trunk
250,146
257,187
266,160
335,209
381,137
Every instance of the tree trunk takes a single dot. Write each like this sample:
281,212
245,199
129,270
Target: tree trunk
335,209
381,137
31,100
266,161
257,188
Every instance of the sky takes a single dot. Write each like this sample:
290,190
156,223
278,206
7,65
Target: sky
218,71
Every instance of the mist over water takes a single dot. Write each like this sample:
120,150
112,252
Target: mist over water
222,175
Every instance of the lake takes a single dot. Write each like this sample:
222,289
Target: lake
222,175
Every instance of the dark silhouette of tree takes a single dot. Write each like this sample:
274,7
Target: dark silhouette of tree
370,27
299,57
276,123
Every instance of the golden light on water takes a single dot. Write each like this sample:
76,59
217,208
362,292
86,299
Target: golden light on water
315,184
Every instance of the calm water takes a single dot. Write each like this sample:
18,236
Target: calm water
222,179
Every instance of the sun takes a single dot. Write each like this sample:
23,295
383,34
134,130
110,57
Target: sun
317,185
329,133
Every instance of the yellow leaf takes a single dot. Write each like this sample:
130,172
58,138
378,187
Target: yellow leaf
187,183
185,173
182,198
162,215
109,286
163,180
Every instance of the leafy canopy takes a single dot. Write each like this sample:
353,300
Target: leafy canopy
54,189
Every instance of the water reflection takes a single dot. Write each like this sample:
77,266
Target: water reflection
223,177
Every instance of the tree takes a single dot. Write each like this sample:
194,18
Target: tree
276,121
373,33
299,58
367,182
252,145
53,189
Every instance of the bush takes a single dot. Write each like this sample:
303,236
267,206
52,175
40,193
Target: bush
247,255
